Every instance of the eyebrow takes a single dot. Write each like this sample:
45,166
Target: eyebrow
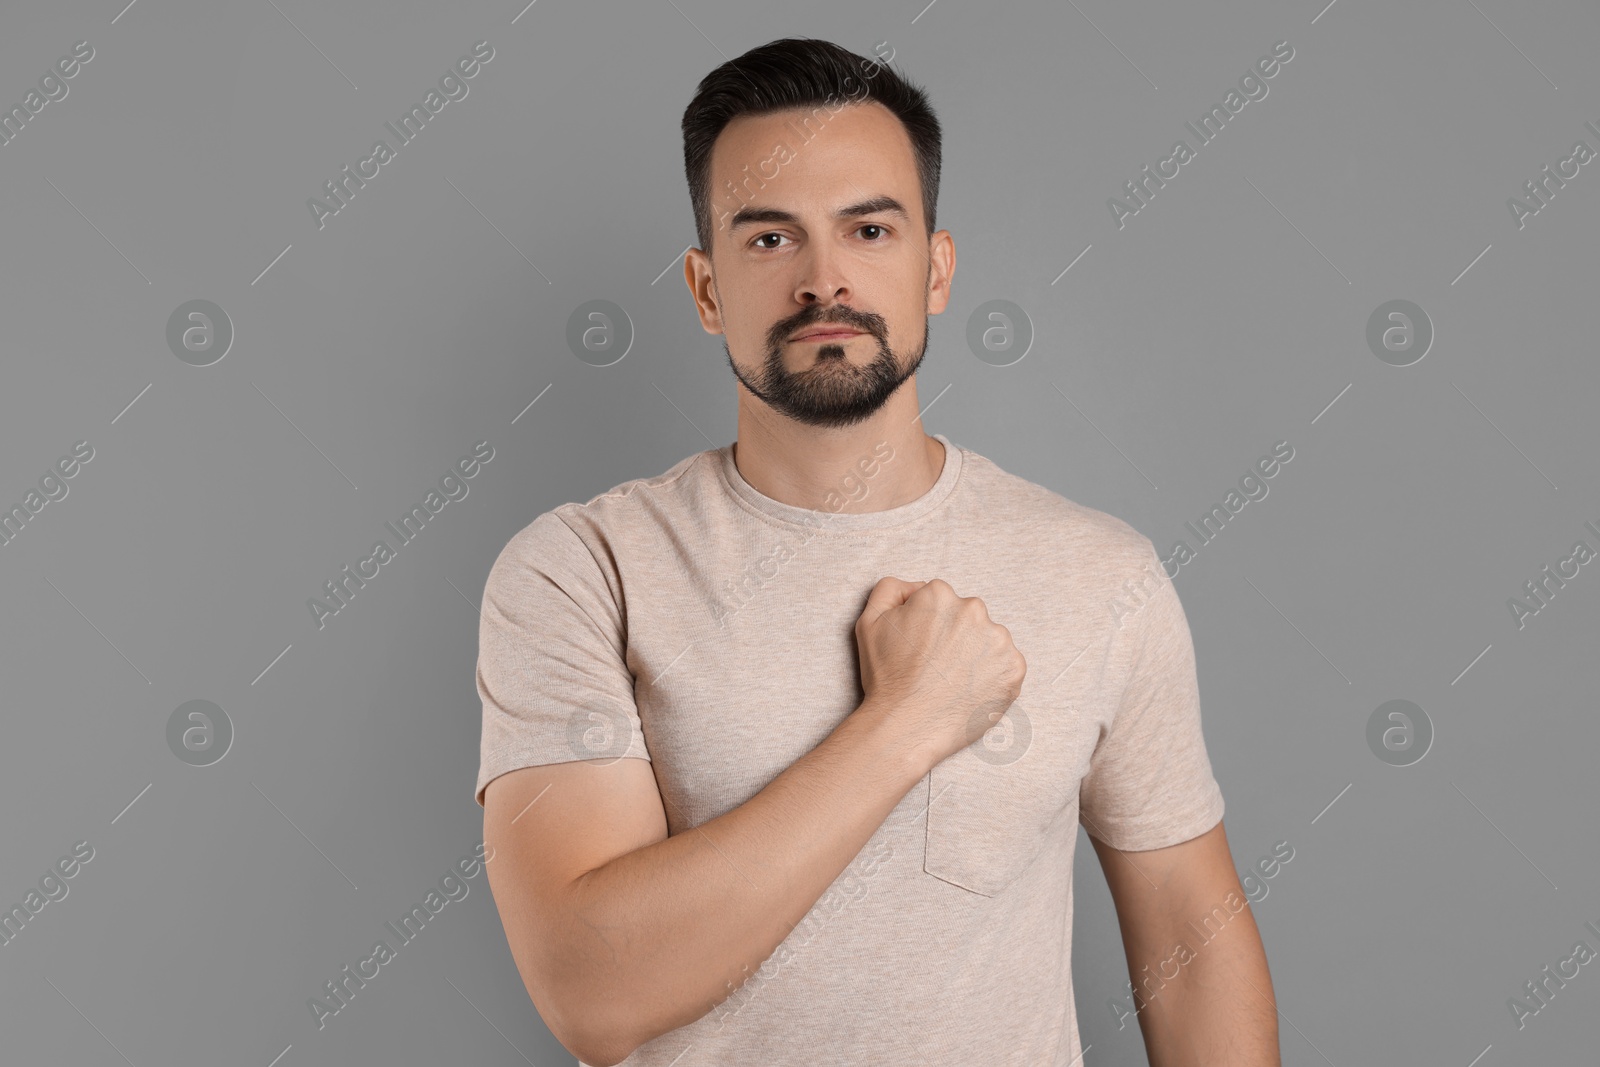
877,205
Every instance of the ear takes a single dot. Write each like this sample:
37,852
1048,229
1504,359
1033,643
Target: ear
941,269
697,275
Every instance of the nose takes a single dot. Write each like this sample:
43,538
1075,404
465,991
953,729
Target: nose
822,280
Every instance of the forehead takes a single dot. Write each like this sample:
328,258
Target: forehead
813,159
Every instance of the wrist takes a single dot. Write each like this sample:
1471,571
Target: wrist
897,739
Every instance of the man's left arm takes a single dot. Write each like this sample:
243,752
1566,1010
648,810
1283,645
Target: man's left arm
1199,971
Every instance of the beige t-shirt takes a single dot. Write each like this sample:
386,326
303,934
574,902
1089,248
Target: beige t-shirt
689,620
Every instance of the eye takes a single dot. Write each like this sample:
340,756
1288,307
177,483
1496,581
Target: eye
883,232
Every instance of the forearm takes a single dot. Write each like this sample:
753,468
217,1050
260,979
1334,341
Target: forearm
662,935
1220,1011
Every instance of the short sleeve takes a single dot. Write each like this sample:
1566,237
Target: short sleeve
552,671
1150,783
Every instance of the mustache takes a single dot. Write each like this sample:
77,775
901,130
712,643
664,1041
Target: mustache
855,320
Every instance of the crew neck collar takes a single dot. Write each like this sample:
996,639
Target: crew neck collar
825,521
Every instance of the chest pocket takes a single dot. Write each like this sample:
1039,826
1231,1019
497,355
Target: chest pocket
991,804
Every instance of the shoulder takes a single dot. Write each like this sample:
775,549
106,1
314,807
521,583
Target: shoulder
1088,541
570,533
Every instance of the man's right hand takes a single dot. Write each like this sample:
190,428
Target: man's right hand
936,663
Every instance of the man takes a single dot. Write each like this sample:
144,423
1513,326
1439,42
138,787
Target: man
785,749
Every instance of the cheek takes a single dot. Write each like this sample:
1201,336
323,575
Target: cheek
746,317
908,327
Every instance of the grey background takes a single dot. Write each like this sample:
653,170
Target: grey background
1229,314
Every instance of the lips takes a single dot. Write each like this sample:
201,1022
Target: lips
827,335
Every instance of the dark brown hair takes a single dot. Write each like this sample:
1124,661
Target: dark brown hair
800,73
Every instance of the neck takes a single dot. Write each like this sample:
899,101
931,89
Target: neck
880,463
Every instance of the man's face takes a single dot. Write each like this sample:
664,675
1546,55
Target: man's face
786,263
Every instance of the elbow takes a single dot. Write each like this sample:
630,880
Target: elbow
582,994
597,1042
603,1058
589,1023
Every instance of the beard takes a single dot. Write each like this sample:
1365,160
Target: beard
833,391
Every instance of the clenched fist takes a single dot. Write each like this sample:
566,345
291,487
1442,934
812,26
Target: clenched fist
935,664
